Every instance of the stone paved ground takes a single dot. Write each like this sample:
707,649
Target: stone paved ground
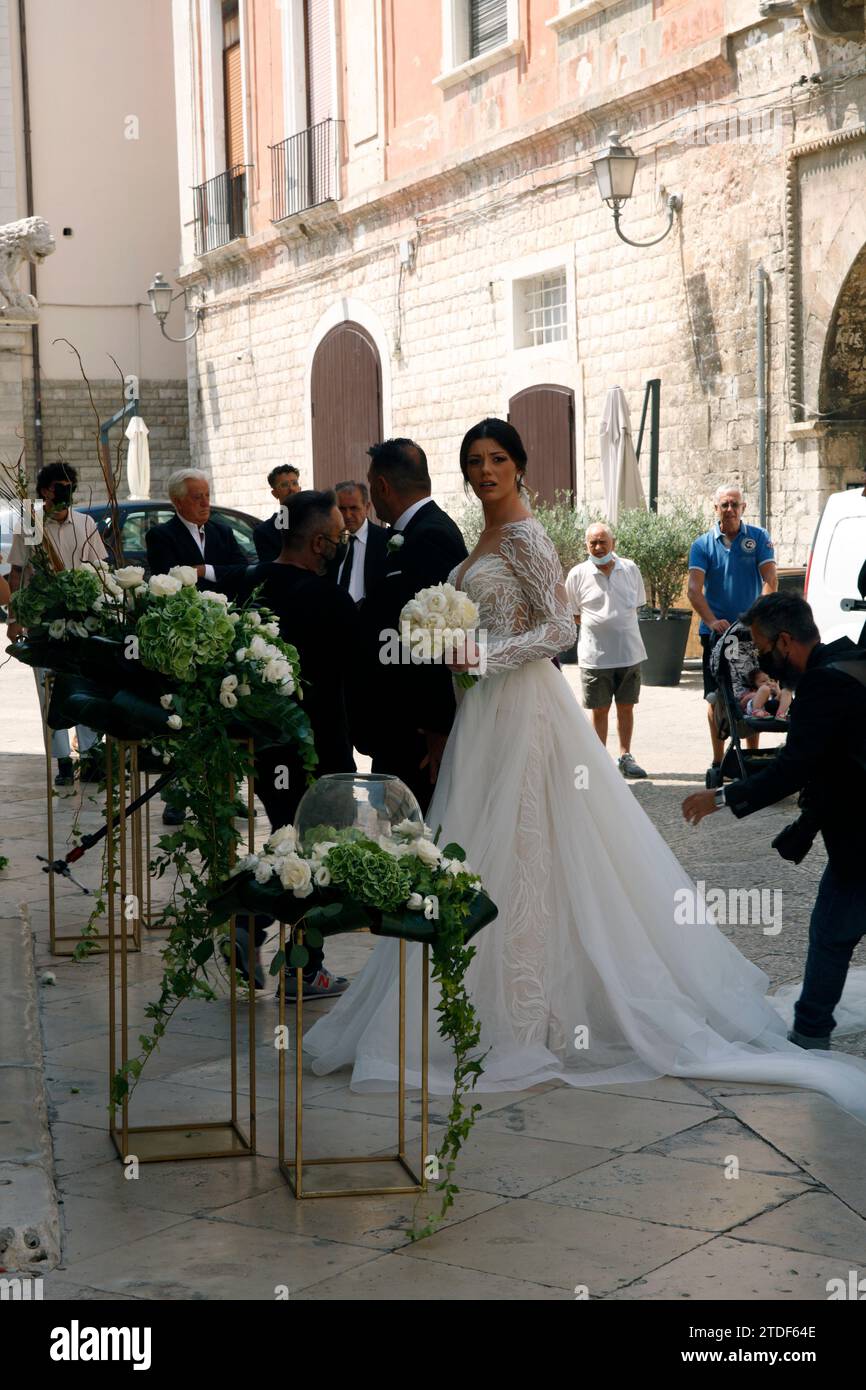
621,1191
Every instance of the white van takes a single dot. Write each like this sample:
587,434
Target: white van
837,557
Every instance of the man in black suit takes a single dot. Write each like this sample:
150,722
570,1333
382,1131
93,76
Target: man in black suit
402,714
191,538
824,758
208,547
320,620
364,564
284,482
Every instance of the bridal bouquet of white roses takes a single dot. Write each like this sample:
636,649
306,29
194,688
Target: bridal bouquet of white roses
440,623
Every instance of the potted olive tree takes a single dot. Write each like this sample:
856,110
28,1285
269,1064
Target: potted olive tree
659,544
566,527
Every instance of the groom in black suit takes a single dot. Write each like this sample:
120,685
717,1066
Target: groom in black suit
402,714
191,538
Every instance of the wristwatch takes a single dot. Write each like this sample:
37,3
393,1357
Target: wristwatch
720,798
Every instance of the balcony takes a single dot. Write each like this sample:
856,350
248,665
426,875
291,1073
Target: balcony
221,209
304,170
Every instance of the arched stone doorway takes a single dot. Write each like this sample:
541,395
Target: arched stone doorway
842,392
345,404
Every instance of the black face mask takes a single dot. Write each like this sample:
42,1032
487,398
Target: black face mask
333,563
779,667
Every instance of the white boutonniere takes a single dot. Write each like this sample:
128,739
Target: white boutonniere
394,543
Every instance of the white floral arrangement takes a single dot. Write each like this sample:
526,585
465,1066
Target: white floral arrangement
330,862
441,622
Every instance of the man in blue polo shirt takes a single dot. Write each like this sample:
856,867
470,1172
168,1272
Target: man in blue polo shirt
730,567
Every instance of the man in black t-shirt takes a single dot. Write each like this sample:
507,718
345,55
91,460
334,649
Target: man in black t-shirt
320,620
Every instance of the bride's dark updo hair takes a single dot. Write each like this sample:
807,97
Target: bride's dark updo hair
506,437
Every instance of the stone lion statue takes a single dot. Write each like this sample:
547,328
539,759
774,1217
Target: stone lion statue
27,240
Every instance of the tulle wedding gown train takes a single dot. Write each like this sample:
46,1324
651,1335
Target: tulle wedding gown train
585,976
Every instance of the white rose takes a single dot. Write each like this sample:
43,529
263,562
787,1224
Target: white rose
322,877
264,870
241,654
277,671
296,875
409,827
57,628
272,629
249,861
254,618
244,689
259,649
427,852
229,683
91,624
415,902
227,699
129,577
215,598
186,574
234,618
436,602
412,613
166,701
431,908
283,836
163,586
175,721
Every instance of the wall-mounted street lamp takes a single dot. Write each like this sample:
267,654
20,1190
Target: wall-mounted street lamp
161,300
615,170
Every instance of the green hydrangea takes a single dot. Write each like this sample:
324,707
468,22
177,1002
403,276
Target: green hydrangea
371,875
67,594
182,634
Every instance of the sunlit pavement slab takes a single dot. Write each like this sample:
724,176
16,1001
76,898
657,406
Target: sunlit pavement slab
612,1193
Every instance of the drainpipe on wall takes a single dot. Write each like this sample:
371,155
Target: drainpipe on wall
28,180
761,386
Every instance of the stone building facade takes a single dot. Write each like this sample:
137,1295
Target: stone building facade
99,104
454,258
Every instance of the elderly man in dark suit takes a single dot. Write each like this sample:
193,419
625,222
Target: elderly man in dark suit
402,715
210,548
824,758
192,538
364,564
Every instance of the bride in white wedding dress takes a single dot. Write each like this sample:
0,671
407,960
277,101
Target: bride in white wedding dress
585,976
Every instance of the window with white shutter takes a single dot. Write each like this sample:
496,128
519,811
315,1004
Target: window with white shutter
488,25
319,68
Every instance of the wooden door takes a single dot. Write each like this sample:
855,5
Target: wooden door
346,404
544,418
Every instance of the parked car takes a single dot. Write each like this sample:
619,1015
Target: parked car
136,519
836,560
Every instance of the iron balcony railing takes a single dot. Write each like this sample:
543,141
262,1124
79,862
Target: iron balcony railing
305,170
221,209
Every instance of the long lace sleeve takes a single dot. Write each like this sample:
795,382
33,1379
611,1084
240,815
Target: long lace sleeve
543,624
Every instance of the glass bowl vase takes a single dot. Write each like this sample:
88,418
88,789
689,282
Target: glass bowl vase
352,806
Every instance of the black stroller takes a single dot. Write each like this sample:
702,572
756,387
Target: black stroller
735,645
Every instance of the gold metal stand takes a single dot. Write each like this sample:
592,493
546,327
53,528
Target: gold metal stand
65,945
293,1172
164,1143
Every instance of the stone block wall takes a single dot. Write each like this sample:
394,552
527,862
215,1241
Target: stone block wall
70,430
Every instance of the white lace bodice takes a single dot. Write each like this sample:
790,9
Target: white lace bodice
520,595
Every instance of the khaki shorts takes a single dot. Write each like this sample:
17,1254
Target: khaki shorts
602,687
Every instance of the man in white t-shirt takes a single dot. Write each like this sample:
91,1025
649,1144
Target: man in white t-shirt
605,592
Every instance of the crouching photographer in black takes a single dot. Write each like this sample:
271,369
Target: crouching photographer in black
824,758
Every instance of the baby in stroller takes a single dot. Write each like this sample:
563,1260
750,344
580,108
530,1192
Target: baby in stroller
764,698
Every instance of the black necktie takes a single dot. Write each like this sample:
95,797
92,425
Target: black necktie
346,572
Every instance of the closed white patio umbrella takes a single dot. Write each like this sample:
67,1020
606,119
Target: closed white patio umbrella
138,459
620,476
